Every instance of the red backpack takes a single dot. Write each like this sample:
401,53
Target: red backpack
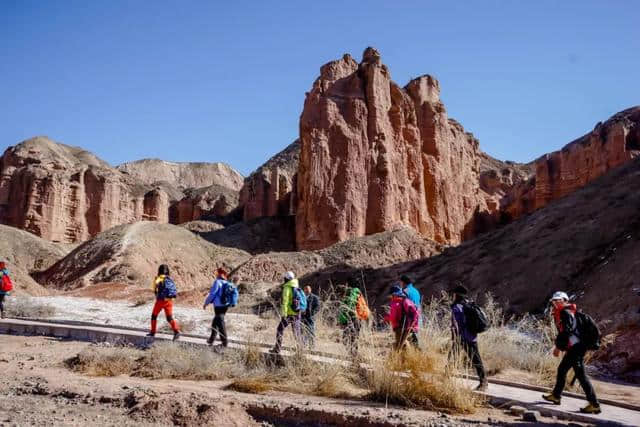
7,284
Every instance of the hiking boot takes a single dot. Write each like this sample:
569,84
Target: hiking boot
551,398
151,334
209,342
483,386
176,335
591,409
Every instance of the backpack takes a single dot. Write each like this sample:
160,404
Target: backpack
362,309
7,284
588,331
299,302
475,318
229,294
167,289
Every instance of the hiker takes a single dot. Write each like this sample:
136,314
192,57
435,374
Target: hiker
353,310
568,340
221,295
6,286
290,309
463,337
403,317
308,317
413,294
165,290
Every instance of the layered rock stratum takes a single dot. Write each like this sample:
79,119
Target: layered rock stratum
66,194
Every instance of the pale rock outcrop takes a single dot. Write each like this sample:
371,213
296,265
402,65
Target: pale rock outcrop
270,190
375,156
183,175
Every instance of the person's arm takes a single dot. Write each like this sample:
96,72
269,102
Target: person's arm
154,286
212,293
568,324
316,306
457,320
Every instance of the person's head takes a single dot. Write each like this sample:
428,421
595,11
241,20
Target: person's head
288,276
459,291
559,299
163,270
354,282
396,292
405,280
307,290
221,272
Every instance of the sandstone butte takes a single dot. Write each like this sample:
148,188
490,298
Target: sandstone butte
66,194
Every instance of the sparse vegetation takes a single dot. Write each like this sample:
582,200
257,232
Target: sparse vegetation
28,308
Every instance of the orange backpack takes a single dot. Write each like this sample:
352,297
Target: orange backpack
362,309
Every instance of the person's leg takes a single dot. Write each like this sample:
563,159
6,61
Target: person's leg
312,332
561,377
168,311
581,375
413,339
306,331
280,332
222,326
157,308
476,361
397,332
2,305
214,330
297,333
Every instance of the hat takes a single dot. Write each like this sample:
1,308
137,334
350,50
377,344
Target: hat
396,291
557,296
405,279
289,275
460,290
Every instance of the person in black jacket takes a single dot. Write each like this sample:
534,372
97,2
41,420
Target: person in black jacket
308,317
568,340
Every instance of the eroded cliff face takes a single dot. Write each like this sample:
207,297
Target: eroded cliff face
271,189
66,194
375,156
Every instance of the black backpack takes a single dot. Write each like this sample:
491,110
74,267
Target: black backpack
588,331
475,318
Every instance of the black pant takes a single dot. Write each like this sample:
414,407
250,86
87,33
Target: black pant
2,301
219,326
472,352
351,334
574,358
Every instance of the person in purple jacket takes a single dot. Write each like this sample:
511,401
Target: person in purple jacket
462,337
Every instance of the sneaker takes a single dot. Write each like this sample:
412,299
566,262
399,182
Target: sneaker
151,334
209,342
176,335
591,409
482,386
551,398
275,350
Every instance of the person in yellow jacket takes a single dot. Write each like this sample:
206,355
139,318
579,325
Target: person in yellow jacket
165,290
288,315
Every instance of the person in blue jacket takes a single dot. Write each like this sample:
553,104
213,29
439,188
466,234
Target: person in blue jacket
218,325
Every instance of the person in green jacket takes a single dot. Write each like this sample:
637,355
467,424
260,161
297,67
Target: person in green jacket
287,314
353,310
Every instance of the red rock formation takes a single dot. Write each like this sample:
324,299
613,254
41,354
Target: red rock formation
375,155
270,190
65,194
609,145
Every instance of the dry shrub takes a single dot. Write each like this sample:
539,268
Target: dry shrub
28,308
186,326
254,384
103,361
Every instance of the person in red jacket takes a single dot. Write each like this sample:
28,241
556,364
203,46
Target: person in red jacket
403,317
568,341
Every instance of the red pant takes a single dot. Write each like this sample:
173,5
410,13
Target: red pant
167,306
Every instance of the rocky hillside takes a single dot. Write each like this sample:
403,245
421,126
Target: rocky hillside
25,254
66,194
183,175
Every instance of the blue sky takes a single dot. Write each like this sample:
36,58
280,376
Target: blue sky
225,81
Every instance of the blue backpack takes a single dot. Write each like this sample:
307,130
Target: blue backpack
299,303
229,294
167,289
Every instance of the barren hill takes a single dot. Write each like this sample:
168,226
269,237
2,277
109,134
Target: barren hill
26,253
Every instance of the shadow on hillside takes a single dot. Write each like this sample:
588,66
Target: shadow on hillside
261,235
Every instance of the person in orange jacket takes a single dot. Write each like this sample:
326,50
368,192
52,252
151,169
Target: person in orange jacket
165,290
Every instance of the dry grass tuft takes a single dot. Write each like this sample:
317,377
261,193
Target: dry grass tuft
255,384
28,308
104,361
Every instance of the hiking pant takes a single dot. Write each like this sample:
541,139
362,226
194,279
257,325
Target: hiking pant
2,295
309,331
218,326
412,337
473,354
574,358
167,306
294,320
351,334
